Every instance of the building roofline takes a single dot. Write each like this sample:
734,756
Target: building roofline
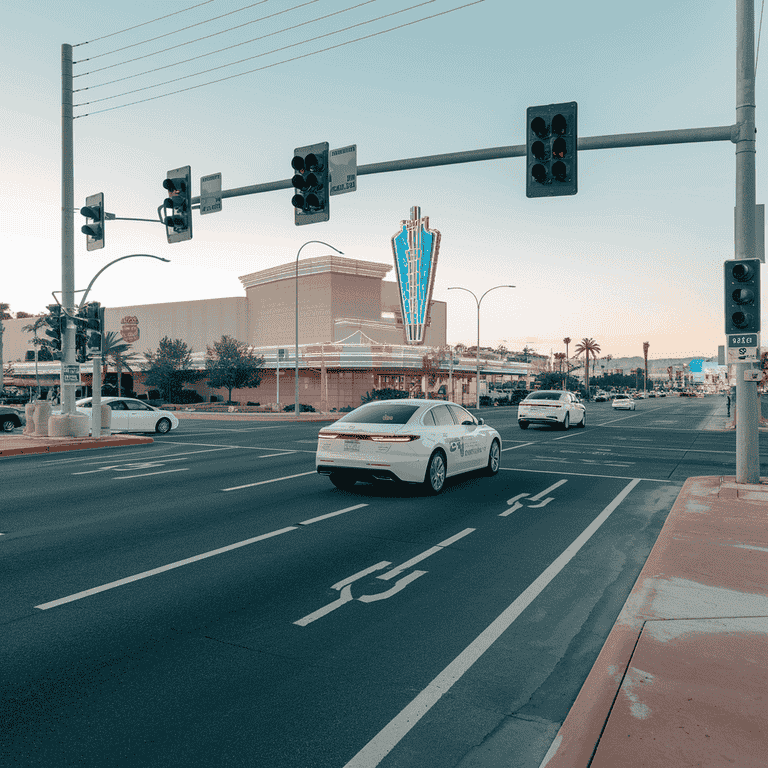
314,266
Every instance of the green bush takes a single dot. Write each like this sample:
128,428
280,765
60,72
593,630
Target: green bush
302,408
188,396
383,394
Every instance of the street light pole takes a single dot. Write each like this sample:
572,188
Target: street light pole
296,399
477,356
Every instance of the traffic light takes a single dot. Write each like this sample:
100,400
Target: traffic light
93,327
742,296
94,229
551,150
311,201
178,225
55,320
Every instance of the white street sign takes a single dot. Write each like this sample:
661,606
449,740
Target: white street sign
70,374
210,193
343,170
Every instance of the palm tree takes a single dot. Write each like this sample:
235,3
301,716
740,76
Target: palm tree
645,355
116,351
37,342
566,341
4,315
589,347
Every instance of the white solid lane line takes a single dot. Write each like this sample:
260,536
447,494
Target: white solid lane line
161,569
148,474
388,738
274,480
331,514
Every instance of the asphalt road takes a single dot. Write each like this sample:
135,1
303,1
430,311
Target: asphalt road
210,600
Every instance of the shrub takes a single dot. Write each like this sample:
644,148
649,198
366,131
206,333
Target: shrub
188,396
250,403
302,408
154,394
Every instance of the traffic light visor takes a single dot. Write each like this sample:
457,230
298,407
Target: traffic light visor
539,127
742,272
91,212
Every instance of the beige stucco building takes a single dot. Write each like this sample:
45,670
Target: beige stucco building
350,335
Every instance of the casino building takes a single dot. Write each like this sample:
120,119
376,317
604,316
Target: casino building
357,332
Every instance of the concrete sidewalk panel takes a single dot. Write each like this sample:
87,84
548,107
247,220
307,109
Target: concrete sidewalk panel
694,694
709,562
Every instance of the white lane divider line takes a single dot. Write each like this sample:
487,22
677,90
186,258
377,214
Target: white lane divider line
148,474
282,453
331,514
516,501
161,569
273,480
345,589
388,737
512,447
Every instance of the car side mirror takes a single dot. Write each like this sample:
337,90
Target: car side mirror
481,422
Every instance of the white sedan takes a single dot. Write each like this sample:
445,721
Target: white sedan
624,402
411,441
551,406
131,415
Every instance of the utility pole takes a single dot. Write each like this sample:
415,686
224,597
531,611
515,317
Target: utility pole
747,401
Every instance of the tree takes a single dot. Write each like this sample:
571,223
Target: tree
170,367
4,315
116,350
588,347
430,365
33,328
231,364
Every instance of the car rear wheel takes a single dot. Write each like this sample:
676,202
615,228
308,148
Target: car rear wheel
434,479
583,422
8,425
523,424
342,482
494,454
566,422
163,426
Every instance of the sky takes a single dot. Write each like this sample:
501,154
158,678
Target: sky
637,255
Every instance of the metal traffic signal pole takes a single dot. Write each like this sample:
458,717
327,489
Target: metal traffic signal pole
747,401
67,229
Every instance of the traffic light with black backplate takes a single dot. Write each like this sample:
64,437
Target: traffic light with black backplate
178,223
55,321
93,327
551,150
94,229
311,199
742,296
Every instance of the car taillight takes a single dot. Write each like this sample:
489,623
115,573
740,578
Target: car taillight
393,438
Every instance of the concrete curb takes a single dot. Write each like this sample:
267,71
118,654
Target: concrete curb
26,445
681,677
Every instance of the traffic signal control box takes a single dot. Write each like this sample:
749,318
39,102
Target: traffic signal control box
551,150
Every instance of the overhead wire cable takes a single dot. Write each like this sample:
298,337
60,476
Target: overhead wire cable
235,45
168,34
257,56
277,63
196,40
143,24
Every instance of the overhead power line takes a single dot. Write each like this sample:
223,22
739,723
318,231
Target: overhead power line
267,53
143,24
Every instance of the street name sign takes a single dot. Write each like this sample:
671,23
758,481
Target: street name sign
343,169
210,193
70,374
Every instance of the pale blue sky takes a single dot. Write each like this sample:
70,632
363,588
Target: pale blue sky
636,256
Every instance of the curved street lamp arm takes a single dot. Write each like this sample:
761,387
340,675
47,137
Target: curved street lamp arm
130,256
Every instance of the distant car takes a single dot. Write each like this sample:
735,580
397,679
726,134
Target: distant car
624,402
662,393
131,415
13,397
406,440
551,406
11,418
601,397
651,394
640,396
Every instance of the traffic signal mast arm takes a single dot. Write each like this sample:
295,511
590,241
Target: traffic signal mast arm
614,141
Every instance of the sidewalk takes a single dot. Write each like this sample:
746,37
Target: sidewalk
682,679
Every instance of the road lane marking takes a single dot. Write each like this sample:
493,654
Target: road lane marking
516,501
161,569
512,448
331,514
547,490
586,474
282,453
264,482
345,589
148,474
389,736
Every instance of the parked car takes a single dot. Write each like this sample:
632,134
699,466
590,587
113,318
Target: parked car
131,415
11,418
13,397
410,441
624,402
551,406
